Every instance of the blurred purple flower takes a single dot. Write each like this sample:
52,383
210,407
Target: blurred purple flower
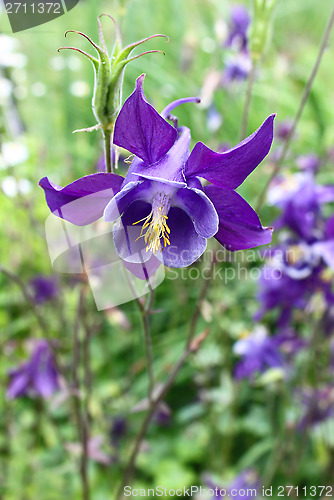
258,352
44,288
38,375
244,483
164,209
236,68
308,163
285,284
118,430
300,200
283,130
289,342
214,119
94,450
293,274
239,23
318,406
163,415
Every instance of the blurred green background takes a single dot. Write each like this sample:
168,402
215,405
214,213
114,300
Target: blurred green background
218,427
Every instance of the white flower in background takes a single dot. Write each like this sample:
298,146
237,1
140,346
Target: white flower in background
80,88
13,153
6,88
73,63
11,187
9,57
38,89
58,63
8,44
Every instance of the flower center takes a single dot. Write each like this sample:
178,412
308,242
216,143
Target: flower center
156,225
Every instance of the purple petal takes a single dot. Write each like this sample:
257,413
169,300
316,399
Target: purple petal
45,376
19,382
239,225
325,250
141,130
170,168
129,245
199,208
133,191
186,246
84,200
324,194
230,169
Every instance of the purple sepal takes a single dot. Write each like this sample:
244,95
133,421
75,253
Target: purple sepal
84,200
239,225
141,130
230,169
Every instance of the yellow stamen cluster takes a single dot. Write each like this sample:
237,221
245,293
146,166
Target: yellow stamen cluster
156,225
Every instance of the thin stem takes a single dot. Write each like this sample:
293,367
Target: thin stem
249,92
146,313
30,301
300,110
81,418
88,378
189,348
107,135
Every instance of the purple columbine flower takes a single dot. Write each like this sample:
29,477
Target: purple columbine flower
38,375
288,280
239,23
318,406
302,213
258,352
293,275
161,207
44,288
297,268
300,200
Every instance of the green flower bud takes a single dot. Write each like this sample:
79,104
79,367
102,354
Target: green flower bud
261,28
109,73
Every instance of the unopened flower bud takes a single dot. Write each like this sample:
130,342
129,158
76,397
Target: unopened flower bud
109,72
261,28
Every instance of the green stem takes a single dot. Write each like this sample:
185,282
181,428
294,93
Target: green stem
249,92
80,415
300,110
107,135
146,312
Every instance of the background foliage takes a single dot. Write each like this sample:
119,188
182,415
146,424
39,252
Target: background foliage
218,426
